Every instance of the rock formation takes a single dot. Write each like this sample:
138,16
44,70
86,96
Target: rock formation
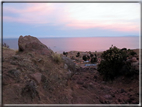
30,43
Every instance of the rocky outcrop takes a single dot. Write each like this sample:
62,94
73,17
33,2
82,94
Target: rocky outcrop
30,78
71,65
30,43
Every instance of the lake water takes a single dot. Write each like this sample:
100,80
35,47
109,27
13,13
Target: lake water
83,43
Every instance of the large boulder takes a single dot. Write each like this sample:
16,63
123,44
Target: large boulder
30,43
71,65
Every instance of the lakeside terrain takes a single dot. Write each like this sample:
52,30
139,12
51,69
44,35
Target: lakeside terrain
82,44
34,74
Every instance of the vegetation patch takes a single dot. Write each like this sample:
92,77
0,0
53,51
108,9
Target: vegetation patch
114,63
57,58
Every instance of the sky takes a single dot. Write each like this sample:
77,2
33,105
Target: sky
71,19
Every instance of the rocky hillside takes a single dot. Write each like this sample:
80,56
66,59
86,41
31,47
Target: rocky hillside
36,75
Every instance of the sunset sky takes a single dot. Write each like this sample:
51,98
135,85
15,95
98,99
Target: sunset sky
71,19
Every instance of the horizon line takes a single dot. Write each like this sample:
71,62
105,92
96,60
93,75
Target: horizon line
70,37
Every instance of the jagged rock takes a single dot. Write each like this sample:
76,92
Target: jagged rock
16,73
70,63
30,43
65,66
36,77
16,56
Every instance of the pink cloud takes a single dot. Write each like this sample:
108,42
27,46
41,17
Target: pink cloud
125,27
32,13
59,14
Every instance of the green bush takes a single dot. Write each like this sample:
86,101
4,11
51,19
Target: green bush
94,60
133,53
113,62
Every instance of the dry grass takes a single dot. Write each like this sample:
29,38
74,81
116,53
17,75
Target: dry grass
57,58
4,47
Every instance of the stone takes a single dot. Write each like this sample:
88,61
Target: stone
91,85
16,73
65,66
128,60
71,65
69,74
36,77
16,57
108,96
30,43
40,60
134,59
102,100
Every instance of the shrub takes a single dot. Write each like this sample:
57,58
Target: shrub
78,54
113,62
56,57
91,55
84,58
65,53
133,53
94,59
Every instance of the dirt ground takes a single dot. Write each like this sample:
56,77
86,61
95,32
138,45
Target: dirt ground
85,87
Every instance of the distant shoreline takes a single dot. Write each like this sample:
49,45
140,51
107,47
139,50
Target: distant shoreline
76,37
82,44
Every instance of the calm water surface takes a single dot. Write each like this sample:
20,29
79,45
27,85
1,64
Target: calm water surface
83,43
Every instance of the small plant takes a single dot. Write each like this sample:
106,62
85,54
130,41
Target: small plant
84,58
94,60
133,53
56,57
78,54
5,45
65,53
